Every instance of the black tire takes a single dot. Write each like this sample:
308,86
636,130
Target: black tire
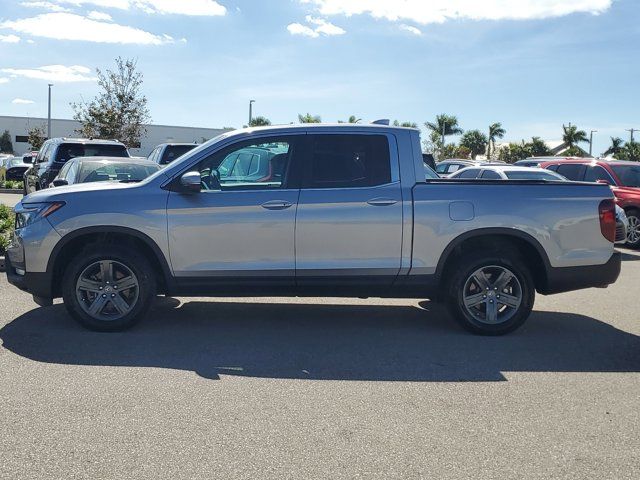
117,255
460,282
635,214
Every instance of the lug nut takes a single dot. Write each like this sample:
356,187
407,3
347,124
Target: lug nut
104,295
113,295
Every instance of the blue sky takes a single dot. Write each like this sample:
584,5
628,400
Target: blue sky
530,64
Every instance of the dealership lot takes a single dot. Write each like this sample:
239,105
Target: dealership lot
323,388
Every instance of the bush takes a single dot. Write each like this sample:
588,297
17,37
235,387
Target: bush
7,221
11,184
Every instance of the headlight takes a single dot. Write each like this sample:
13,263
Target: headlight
29,213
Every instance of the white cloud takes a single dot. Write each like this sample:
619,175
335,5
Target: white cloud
9,39
45,5
4,80
318,26
411,29
183,7
99,16
22,101
439,11
53,73
69,26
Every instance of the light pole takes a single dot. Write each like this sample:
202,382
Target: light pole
49,113
631,130
591,142
251,102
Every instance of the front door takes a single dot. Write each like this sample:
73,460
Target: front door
349,221
241,225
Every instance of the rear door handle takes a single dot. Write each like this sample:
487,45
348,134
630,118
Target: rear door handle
382,202
276,205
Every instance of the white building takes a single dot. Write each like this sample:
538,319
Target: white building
19,127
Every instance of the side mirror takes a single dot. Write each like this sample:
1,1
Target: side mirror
59,182
603,182
191,181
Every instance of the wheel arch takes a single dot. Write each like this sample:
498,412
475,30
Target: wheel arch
73,242
533,254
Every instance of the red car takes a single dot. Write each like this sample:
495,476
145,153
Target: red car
624,178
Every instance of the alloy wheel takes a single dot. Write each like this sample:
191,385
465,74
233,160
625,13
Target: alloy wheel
107,290
492,294
633,233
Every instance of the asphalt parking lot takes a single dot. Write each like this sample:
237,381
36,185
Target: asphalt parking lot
323,388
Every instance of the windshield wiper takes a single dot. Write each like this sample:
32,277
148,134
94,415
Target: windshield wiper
131,180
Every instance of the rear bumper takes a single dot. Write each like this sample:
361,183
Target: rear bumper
567,279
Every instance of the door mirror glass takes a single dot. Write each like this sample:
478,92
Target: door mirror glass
59,182
191,181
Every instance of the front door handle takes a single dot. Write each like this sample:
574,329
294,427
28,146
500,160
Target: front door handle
382,202
276,205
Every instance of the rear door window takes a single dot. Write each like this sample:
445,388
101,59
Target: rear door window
595,173
572,171
471,173
347,161
491,175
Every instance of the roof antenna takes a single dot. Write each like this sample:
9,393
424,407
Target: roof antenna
382,121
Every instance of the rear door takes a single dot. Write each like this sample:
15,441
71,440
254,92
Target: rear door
349,219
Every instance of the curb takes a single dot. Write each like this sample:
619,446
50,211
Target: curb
2,265
11,190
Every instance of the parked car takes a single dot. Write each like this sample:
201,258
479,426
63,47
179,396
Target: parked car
57,151
507,172
101,169
350,214
447,167
165,153
12,168
623,177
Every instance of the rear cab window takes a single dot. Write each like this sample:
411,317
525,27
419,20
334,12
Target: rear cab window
173,152
348,161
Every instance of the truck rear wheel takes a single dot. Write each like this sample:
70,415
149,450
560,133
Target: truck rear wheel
108,288
490,293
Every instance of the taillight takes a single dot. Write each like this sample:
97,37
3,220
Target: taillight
607,211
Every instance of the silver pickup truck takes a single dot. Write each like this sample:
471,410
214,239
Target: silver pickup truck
312,210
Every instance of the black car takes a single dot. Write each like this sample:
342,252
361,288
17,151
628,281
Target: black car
13,168
57,151
165,153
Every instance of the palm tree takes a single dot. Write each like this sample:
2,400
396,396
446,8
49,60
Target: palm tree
308,118
444,126
616,146
572,136
495,131
351,119
476,141
260,122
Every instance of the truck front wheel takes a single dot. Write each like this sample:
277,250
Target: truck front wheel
108,287
490,293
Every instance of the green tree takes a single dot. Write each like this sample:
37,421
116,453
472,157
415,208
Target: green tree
630,151
37,137
308,118
260,122
572,136
444,126
475,141
495,131
615,148
396,123
351,119
537,148
514,152
5,143
119,111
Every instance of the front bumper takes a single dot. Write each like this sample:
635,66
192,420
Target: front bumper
36,283
566,279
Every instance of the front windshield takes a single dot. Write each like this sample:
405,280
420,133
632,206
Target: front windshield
629,175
